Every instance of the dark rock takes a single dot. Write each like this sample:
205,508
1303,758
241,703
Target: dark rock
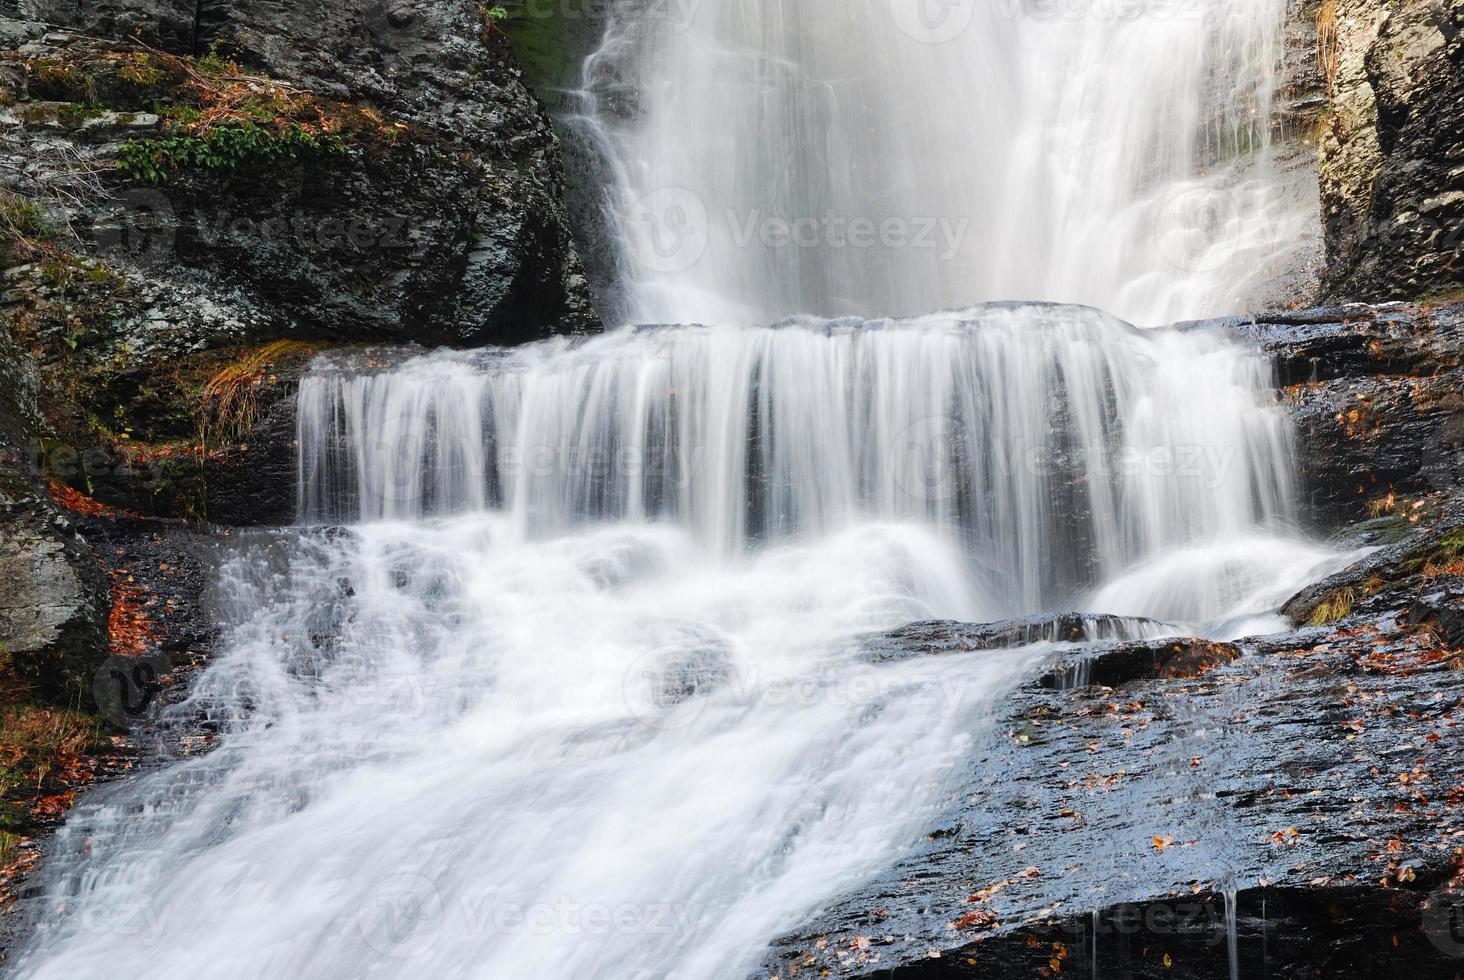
54,598
1392,187
1404,567
435,216
1378,397
1314,778
53,604
942,636
1111,666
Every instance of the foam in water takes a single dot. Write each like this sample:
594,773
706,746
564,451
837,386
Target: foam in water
895,156
580,691
534,716
1057,445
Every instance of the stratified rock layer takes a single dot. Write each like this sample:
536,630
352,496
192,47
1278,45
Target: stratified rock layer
1392,163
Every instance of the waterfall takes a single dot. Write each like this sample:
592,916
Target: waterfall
1055,445
883,157
565,673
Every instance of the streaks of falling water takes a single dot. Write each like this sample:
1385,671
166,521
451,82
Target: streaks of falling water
1058,446
1232,932
1093,950
565,723
773,158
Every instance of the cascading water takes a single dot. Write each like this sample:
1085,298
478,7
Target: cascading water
897,156
580,690
1057,446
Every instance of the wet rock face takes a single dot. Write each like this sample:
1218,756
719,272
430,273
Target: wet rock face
1391,181
1378,398
53,596
1311,775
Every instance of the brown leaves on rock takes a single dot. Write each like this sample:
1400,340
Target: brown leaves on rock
130,630
979,919
80,503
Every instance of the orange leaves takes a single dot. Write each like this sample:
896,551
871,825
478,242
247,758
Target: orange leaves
80,503
979,919
130,631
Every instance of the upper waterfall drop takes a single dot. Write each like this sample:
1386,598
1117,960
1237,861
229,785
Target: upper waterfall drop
890,157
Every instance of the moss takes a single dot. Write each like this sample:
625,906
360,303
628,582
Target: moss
550,41
25,229
111,79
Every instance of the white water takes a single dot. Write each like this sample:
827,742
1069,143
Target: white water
556,709
579,692
885,157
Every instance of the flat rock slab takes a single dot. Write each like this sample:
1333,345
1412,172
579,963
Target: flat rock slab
1313,781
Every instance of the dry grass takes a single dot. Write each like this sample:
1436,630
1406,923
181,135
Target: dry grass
1327,47
230,400
38,743
1334,607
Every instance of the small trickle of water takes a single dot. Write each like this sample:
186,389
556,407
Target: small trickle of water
1232,932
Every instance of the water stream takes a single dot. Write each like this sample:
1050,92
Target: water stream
560,674
893,157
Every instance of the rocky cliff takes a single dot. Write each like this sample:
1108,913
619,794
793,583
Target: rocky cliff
194,198
1392,150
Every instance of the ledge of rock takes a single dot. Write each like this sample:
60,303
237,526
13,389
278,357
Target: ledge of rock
1315,779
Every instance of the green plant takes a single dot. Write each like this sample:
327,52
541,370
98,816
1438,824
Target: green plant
24,228
228,148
